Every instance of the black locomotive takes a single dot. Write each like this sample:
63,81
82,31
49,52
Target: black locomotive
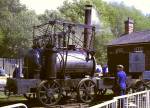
61,62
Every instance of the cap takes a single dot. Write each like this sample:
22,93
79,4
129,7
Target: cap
120,66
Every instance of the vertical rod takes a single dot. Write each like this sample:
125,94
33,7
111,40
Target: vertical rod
3,63
64,36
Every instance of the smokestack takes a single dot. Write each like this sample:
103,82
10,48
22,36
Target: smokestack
129,26
88,12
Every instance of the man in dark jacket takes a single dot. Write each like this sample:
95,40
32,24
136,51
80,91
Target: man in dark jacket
17,73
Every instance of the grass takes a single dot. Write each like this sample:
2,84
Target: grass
4,98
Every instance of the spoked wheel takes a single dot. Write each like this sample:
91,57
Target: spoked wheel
147,85
30,96
130,90
101,91
139,86
86,90
49,93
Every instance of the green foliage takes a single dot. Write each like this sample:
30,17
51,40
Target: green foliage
16,23
50,15
118,13
15,27
73,11
101,42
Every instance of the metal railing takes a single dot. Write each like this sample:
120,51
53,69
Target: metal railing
8,64
19,105
135,100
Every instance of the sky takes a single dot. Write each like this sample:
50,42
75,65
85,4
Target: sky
143,5
40,5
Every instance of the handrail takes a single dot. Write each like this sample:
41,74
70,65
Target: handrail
15,106
128,95
104,104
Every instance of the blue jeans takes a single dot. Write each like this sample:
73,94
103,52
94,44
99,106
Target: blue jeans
122,91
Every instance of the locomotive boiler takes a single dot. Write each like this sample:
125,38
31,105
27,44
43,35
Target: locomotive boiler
78,64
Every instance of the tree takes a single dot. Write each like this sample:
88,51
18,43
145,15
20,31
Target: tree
16,27
118,13
50,15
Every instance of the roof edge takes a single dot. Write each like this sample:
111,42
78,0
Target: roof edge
128,44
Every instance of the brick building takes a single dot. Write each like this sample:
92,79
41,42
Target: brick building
131,49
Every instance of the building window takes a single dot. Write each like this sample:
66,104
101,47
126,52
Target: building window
119,50
138,49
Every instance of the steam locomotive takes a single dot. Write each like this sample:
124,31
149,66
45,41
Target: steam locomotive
64,64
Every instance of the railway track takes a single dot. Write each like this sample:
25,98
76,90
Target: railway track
73,105
63,104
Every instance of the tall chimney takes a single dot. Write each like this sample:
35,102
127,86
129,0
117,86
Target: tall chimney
88,12
129,26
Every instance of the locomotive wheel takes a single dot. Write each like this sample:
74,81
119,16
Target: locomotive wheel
101,91
130,90
49,93
140,86
86,90
30,96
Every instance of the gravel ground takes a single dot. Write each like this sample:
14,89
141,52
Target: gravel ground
63,104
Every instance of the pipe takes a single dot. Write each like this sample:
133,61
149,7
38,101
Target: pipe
88,12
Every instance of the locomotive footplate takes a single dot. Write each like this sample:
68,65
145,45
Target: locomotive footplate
104,82
21,86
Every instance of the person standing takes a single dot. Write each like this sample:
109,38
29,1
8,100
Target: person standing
121,84
105,70
16,73
98,70
121,80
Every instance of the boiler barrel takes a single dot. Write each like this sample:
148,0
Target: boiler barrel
77,64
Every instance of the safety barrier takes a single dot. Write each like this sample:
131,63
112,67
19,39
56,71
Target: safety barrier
19,105
135,100
8,64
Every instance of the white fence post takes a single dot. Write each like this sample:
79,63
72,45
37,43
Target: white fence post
135,100
147,99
